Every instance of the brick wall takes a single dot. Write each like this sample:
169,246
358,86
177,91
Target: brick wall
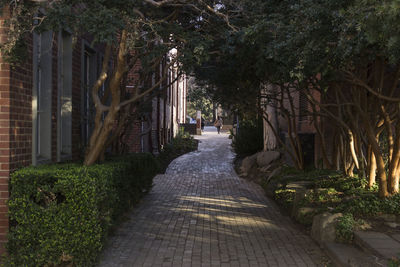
5,106
16,119
132,137
15,126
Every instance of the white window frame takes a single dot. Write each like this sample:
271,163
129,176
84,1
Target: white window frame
42,97
64,97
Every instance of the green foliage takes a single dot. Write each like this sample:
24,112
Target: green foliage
344,228
62,213
341,183
395,262
369,204
249,138
307,218
322,197
285,198
328,190
178,146
199,99
182,134
152,29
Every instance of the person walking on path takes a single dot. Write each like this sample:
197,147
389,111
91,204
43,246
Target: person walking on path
200,213
218,124
202,124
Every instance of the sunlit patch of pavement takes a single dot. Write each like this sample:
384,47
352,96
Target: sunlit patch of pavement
200,213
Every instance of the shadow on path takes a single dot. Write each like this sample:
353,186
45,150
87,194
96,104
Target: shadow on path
200,213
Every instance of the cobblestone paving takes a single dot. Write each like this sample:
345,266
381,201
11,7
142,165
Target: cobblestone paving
200,213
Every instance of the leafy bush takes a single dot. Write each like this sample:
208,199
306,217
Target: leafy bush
249,139
179,145
344,228
369,204
62,213
394,262
341,183
322,197
285,197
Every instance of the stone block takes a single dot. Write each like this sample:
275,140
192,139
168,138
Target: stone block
265,158
304,215
300,194
247,164
350,256
324,227
378,243
386,217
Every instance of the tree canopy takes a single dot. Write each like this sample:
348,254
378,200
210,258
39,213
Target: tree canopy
130,31
347,51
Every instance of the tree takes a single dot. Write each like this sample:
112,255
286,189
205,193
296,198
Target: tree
347,51
199,99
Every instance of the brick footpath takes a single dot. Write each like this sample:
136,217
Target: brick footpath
200,213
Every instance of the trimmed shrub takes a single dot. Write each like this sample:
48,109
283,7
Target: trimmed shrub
61,213
180,145
249,139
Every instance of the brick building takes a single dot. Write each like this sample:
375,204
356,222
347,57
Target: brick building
46,112
157,127
298,110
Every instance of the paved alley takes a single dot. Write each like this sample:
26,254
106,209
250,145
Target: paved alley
200,213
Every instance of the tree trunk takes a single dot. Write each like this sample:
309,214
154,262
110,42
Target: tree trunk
270,140
371,167
352,149
102,130
394,163
95,151
380,164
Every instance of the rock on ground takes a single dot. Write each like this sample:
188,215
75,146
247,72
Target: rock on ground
264,158
324,227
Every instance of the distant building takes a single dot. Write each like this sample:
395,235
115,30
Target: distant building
157,127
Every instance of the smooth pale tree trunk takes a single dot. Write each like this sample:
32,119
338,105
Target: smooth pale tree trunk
198,122
270,140
380,164
395,164
372,168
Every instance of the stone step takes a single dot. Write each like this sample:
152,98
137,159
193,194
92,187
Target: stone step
343,255
378,244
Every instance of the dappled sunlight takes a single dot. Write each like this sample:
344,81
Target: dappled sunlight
211,201
201,210
240,221
184,209
224,202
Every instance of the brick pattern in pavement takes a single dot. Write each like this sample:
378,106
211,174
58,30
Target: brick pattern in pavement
200,213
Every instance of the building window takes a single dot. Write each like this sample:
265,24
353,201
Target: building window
65,96
89,76
41,103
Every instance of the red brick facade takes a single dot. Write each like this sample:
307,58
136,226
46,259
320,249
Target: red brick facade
168,111
15,125
19,110
16,117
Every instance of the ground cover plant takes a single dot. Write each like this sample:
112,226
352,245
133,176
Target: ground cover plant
332,191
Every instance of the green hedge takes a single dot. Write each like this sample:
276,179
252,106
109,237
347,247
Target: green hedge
181,144
61,213
249,139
